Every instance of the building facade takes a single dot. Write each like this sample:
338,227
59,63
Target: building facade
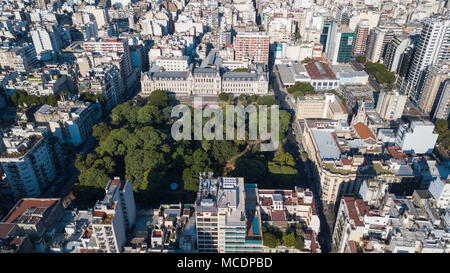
228,218
114,216
252,45
390,105
32,161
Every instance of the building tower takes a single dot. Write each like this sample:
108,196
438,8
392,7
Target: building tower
361,35
433,47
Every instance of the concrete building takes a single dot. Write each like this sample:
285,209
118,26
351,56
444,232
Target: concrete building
433,87
432,48
112,46
32,161
45,41
321,75
21,59
341,43
443,105
205,81
173,64
361,35
228,217
294,206
114,216
320,106
31,218
410,137
252,45
378,39
70,122
394,50
237,83
349,225
107,81
390,105
440,189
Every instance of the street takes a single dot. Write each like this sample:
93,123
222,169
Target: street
295,148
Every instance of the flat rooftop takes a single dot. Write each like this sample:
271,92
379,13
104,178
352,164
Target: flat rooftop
328,148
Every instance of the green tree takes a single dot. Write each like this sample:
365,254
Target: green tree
223,96
361,59
149,114
223,150
94,177
242,98
159,98
140,163
123,113
267,100
253,171
288,239
253,98
270,240
206,145
299,243
240,70
301,89
100,131
307,60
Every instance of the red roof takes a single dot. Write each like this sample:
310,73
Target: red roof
40,205
278,215
363,131
356,209
5,229
396,152
316,74
346,161
98,213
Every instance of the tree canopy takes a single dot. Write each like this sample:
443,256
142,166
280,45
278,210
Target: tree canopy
242,69
441,127
223,96
301,89
158,98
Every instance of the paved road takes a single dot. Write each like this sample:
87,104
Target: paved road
295,148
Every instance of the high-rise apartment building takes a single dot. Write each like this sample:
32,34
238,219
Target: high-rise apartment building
228,216
405,62
32,161
107,81
252,45
443,105
390,105
71,122
350,225
433,47
45,41
112,46
21,59
379,37
394,50
114,216
433,87
341,43
361,35
326,32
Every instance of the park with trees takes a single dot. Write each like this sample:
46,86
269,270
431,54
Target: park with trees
135,143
